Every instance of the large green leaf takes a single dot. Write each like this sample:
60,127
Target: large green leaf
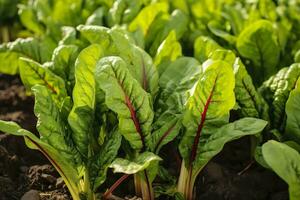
292,110
250,102
84,96
285,162
215,142
125,96
176,78
210,101
276,92
51,126
258,42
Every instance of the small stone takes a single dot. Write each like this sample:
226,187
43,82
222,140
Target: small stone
59,183
31,195
48,178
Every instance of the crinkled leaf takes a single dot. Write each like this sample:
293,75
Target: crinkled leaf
250,102
276,92
125,96
100,162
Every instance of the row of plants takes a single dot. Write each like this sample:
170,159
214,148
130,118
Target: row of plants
115,82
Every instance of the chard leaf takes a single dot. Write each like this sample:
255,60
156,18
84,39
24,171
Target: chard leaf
32,73
81,116
63,59
210,101
250,102
51,126
125,96
258,42
168,51
292,110
203,46
123,11
146,16
166,128
138,61
215,142
138,164
176,78
178,22
285,162
62,164
276,92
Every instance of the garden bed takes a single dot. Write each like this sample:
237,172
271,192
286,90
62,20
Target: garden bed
23,170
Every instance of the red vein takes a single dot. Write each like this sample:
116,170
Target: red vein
133,116
164,136
200,126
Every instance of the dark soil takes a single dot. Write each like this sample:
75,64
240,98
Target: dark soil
27,171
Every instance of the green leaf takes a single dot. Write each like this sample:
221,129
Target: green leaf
276,92
39,50
215,142
203,47
217,29
63,59
175,80
210,101
292,110
125,96
177,22
285,162
140,163
168,51
62,164
146,16
99,163
84,96
165,129
250,102
258,42
32,73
